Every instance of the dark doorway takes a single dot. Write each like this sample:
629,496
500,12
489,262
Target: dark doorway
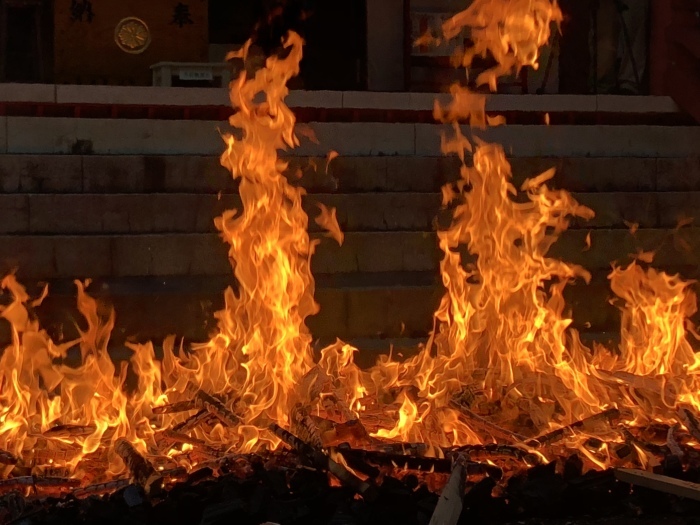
334,31
25,40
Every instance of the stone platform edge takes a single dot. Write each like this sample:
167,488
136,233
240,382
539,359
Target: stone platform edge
218,97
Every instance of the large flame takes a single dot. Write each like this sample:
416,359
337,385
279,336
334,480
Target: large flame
503,361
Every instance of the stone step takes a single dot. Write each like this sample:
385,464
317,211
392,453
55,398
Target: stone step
202,254
37,135
389,211
401,308
204,174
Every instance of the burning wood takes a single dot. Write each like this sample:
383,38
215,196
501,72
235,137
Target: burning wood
177,437
673,446
485,425
38,484
7,459
192,421
561,433
141,470
101,488
324,462
216,408
690,422
180,406
69,431
449,506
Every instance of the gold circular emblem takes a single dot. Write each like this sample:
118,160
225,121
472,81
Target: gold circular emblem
132,35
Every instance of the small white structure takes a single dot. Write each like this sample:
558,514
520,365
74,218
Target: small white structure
163,72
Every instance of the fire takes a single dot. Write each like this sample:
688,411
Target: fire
503,362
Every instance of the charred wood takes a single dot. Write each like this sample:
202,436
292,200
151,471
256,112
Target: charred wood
324,462
177,437
673,446
192,421
46,484
216,408
173,408
69,431
690,422
141,470
559,434
7,458
305,427
494,450
101,488
483,424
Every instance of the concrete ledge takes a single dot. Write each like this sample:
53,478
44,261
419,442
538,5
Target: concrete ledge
37,135
194,213
159,96
346,174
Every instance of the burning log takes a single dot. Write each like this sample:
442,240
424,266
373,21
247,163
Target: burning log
485,425
192,421
559,434
494,450
173,408
642,478
141,470
400,449
216,408
69,431
101,488
7,459
178,437
305,427
671,442
690,422
46,484
647,384
449,505
322,461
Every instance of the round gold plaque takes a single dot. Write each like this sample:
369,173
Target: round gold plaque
132,35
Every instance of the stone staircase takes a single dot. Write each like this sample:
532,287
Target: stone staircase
142,228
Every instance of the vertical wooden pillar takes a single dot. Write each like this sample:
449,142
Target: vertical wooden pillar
661,19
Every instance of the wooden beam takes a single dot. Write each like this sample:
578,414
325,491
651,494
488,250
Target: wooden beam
642,478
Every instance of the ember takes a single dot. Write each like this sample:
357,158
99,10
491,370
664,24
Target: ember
504,398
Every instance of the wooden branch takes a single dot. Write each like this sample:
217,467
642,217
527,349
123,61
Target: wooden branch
101,488
192,421
304,426
648,384
642,478
449,506
324,462
141,470
494,450
47,484
560,433
177,437
478,422
69,431
671,442
690,422
173,408
216,408
6,458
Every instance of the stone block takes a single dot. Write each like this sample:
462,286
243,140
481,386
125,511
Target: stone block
31,257
40,174
678,174
114,174
542,103
315,99
66,214
396,251
208,255
420,174
14,214
376,100
135,95
626,104
332,319
39,93
675,206
618,209
131,255
37,135
354,139
82,257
